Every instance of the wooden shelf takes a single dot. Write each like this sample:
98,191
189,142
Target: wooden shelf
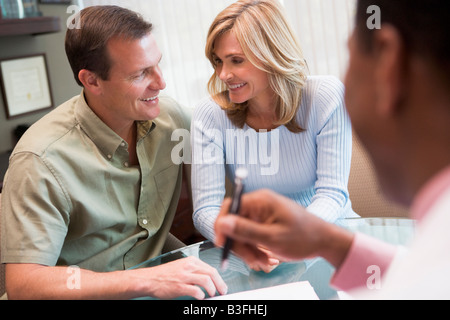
31,26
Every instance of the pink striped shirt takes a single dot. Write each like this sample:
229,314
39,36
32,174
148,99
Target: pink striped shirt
367,251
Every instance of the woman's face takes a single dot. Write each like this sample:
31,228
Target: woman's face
244,81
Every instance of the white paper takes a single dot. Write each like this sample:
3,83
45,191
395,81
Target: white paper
291,291
344,296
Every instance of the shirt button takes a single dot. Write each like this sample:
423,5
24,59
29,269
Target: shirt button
109,156
126,164
144,221
122,144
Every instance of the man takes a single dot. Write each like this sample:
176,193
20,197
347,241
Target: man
398,98
91,189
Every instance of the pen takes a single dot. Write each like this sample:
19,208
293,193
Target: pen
241,175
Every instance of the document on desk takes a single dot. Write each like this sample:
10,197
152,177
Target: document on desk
291,291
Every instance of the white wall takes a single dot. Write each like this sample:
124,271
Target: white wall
323,27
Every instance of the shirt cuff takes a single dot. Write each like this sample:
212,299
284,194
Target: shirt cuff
366,255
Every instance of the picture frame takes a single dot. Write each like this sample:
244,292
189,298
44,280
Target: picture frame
55,1
25,85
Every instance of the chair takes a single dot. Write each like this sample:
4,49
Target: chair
183,226
2,266
172,243
365,192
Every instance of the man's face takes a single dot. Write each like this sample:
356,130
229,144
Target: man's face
135,79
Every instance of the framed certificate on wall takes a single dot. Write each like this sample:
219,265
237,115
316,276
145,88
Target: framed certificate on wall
25,85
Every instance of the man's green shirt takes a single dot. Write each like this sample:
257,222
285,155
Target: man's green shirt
71,198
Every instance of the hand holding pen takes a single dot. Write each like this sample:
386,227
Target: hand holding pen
241,175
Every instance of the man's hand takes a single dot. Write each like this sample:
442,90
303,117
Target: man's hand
281,226
184,277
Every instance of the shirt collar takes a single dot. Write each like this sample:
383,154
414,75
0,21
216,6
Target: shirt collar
430,193
103,136
144,128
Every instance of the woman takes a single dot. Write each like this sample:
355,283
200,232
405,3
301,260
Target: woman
291,132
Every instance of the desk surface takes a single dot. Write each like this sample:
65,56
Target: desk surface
239,277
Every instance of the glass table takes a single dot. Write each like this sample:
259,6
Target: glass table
239,277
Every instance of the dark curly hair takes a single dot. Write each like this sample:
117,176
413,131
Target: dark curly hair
424,26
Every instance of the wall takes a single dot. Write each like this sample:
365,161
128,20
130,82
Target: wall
61,79
323,28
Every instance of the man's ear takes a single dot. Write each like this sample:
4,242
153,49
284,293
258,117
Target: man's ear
90,81
390,72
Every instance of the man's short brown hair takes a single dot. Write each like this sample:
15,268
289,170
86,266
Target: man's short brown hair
86,47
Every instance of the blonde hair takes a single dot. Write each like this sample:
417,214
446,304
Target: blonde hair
269,43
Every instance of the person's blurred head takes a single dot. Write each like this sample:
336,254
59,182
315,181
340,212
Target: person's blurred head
398,90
